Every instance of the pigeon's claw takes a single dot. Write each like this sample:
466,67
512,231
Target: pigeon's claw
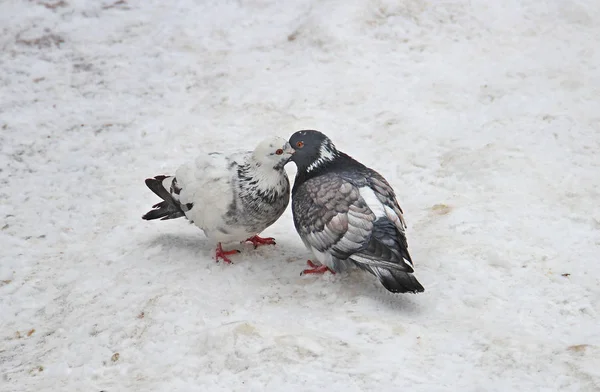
311,264
316,269
222,254
256,241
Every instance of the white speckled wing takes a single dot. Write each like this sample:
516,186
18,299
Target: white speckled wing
207,183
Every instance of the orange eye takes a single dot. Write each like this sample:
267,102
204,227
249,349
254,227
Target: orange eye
300,144
279,151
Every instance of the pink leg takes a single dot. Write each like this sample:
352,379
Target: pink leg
256,241
316,269
222,254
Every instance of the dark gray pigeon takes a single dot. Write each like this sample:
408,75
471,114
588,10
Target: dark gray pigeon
347,214
231,197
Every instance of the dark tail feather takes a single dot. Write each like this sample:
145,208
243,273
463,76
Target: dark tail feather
398,281
167,209
394,280
386,256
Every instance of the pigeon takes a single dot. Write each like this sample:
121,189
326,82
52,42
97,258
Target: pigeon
347,214
231,197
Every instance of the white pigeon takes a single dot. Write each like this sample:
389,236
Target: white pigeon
231,197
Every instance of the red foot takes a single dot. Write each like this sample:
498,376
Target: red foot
316,269
256,241
222,254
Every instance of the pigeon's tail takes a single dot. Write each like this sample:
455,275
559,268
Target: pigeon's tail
169,208
386,256
397,281
390,276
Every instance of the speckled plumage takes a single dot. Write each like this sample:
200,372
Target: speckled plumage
257,203
231,197
347,214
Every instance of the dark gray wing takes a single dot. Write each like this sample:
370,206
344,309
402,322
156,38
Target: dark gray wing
335,216
330,216
386,195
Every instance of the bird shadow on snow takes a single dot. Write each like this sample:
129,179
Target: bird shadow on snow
195,243
351,286
197,247
357,285
286,260
188,243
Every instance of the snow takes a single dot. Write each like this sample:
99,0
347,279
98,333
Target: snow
482,115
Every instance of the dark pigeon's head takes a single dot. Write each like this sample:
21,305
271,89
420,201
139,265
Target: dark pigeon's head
312,150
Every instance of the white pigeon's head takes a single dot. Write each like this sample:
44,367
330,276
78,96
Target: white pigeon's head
274,151
313,150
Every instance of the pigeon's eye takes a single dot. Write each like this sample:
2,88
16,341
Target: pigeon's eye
279,151
300,144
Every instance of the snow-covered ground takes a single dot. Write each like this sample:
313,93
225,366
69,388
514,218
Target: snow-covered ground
484,116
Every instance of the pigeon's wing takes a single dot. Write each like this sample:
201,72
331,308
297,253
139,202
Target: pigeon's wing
330,216
385,204
386,253
338,218
207,183
386,195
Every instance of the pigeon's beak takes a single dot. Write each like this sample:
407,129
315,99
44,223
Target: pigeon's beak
288,150
285,157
